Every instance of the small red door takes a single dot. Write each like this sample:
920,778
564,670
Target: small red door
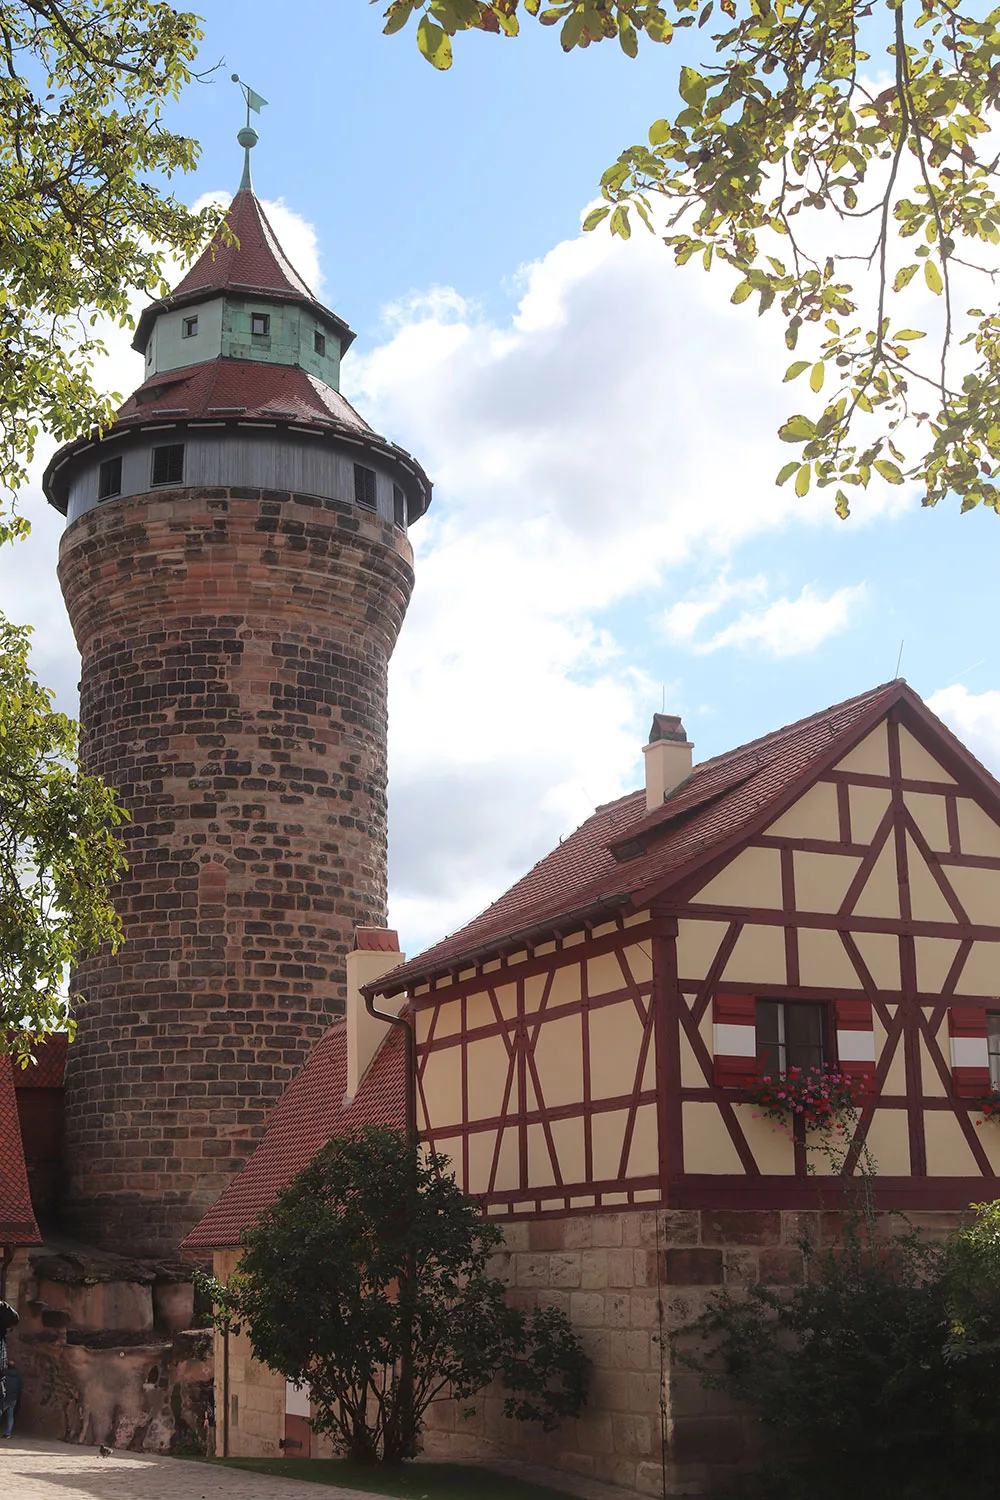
298,1437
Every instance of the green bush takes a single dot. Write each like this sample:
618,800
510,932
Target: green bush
880,1368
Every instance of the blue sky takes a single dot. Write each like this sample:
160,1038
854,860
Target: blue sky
606,535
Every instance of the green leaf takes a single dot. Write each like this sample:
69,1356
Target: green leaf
795,370
797,429
435,44
816,376
786,471
904,277
619,222
397,16
842,506
932,276
888,470
742,292
909,333
802,480
595,217
659,132
692,88
626,36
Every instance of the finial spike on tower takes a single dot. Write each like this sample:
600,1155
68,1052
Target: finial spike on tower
247,136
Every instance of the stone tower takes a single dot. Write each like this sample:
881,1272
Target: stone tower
236,570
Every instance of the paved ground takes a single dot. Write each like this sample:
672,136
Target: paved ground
35,1469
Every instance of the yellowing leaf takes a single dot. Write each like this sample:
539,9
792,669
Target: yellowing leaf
595,217
435,43
795,370
802,479
910,333
932,276
816,376
888,470
742,292
786,471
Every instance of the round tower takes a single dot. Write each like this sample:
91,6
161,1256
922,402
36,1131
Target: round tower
236,569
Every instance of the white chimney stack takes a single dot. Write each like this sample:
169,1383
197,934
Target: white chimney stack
376,951
668,758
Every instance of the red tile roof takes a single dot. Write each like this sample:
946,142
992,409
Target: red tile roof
376,939
309,1114
17,1219
243,388
253,265
49,1068
622,855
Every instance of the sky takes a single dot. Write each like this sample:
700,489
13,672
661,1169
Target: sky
606,538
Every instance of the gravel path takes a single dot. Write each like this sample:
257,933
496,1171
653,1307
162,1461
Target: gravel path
37,1469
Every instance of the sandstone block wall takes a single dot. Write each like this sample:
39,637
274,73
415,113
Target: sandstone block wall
235,646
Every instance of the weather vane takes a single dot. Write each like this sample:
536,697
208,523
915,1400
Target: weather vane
247,136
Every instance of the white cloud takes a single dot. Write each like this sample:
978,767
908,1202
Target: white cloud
974,717
681,620
785,627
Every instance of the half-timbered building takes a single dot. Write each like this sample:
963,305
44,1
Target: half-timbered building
827,896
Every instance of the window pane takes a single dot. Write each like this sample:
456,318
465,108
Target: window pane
993,1043
168,464
770,1034
319,343
364,486
109,479
804,1033
190,328
260,324
398,506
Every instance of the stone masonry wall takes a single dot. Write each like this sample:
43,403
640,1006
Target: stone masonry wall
235,647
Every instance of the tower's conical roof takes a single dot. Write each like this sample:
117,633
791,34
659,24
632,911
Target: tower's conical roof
251,264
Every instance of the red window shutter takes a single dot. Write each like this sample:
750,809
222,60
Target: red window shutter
970,1059
734,1019
856,1039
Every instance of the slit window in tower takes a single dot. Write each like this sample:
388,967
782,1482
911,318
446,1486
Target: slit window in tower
189,328
168,464
109,478
260,325
319,342
364,486
399,507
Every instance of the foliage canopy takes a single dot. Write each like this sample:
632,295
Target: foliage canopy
59,854
83,86
368,1278
878,116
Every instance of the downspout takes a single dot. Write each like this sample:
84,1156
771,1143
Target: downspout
225,1390
410,1083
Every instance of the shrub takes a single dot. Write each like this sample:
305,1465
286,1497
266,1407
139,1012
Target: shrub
367,1278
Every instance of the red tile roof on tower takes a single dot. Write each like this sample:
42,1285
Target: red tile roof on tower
623,855
254,264
240,387
17,1218
48,1071
309,1114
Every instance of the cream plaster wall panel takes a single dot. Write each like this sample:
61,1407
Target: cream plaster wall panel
948,1152
639,958
880,951
930,814
534,989
451,1146
978,891
506,999
559,1060
822,880
822,960
930,1078
604,975
643,1156
697,945
615,1039
753,878
508,1168
567,1136
869,805
442,1086
814,816
607,1138
758,957
481,1147
707,1143
935,957
981,972
692,1076
566,985
772,1147
449,1020
977,832
540,1173
649,1069
888,1141
488,1067
895,1078
880,897
916,763
422,1024
479,1011
871,756
988,1134
927,903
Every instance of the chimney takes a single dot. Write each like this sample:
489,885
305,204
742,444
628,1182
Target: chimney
376,951
668,758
